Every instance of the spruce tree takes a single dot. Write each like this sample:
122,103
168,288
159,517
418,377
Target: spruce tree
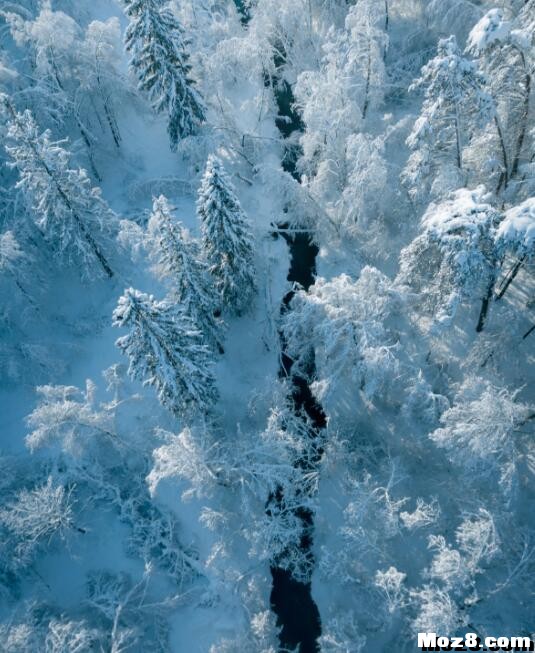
70,212
160,61
165,350
226,238
178,261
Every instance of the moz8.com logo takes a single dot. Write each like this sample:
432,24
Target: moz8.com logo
472,642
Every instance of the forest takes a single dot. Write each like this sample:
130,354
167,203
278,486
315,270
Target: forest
267,324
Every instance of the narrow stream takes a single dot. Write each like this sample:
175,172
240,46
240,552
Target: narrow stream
291,600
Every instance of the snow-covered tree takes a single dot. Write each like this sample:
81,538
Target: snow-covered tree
391,583
227,241
515,236
276,466
365,23
456,567
362,201
12,272
334,102
177,260
165,350
74,78
37,516
42,627
340,634
344,321
127,616
100,453
160,62
102,80
504,45
453,260
293,33
70,418
70,212
330,114
66,636
479,431
437,610
456,104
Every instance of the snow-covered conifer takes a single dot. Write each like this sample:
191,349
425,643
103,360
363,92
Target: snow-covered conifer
160,61
177,260
226,239
455,105
70,212
165,350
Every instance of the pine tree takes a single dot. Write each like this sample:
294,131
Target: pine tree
159,59
165,350
70,212
455,104
226,238
177,260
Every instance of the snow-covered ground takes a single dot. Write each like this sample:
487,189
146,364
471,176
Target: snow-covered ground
132,518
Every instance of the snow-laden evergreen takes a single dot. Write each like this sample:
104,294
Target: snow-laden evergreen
165,350
227,240
69,211
177,260
159,60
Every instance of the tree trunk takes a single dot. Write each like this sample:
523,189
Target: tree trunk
485,305
530,330
87,141
510,276
524,121
504,177
387,22
458,138
367,89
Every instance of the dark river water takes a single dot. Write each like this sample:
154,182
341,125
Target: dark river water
291,600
